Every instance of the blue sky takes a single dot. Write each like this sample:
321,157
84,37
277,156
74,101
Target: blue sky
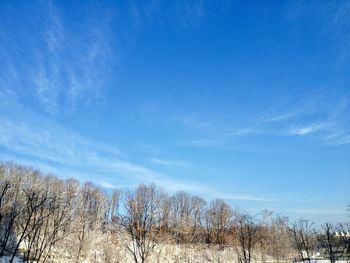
243,100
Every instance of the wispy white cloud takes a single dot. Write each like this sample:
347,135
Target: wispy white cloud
57,145
304,130
192,122
47,89
54,34
344,139
62,68
316,211
322,115
38,141
332,20
245,198
243,131
201,143
190,13
187,14
210,193
52,143
113,186
169,162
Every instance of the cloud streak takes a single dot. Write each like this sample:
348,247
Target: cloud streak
304,130
59,150
165,162
316,211
63,68
322,116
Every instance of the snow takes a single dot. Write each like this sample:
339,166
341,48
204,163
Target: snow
7,260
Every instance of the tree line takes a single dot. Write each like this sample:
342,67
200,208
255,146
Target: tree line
39,213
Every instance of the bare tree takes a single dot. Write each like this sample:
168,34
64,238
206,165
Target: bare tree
279,241
142,221
343,233
165,214
246,236
197,205
8,213
11,177
40,213
54,216
330,242
115,203
38,237
218,219
89,215
4,188
304,239
31,217
274,237
187,214
181,216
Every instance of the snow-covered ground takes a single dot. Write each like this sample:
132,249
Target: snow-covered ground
169,254
7,260
106,249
